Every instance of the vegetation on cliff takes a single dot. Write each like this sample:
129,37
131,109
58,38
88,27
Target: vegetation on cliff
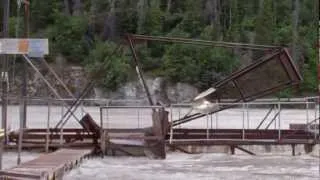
86,32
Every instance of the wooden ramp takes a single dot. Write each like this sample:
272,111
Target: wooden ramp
50,166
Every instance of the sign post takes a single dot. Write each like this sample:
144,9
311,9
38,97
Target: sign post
30,47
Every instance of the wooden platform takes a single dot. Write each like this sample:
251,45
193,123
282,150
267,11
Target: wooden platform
47,166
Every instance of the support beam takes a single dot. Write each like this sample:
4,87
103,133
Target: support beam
245,150
174,147
55,92
138,69
201,42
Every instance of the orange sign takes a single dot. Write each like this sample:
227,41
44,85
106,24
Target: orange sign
23,46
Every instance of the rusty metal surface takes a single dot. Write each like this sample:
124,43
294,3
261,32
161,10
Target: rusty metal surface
48,166
143,38
35,138
241,137
276,70
238,134
228,142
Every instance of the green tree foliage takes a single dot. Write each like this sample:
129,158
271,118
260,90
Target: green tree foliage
253,21
67,36
108,68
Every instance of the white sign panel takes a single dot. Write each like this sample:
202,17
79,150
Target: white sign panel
24,46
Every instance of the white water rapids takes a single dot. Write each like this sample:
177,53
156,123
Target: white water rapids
277,164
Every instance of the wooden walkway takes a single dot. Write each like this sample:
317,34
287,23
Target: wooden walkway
50,166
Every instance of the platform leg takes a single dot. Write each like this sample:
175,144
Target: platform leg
232,148
1,152
293,146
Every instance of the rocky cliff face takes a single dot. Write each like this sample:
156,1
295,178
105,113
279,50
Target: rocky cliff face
75,79
162,92
72,76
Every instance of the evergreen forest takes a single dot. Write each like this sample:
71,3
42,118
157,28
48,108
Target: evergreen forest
86,32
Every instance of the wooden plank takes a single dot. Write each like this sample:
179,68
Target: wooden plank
48,165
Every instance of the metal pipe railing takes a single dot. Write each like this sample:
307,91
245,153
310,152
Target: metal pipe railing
245,109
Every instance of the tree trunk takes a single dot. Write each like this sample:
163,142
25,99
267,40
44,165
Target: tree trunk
77,7
212,10
93,13
67,9
169,6
109,29
154,3
261,3
141,9
295,33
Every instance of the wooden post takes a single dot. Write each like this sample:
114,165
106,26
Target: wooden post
159,129
103,142
293,146
232,148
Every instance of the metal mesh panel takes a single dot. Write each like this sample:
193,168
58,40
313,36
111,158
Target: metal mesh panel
269,75
272,73
229,91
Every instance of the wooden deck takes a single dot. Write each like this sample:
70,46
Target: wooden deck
47,166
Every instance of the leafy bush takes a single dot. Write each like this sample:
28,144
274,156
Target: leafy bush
67,36
109,69
197,65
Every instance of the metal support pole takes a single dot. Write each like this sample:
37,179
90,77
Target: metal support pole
23,103
315,117
4,74
24,92
4,77
138,118
319,83
107,117
48,126
275,120
243,116
171,127
307,111
101,117
217,120
58,78
139,72
55,92
62,109
318,73
179,114
248,118
207,126
82,109
1,152
211,121
61,136
103,134
103,142
279,120
21,129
